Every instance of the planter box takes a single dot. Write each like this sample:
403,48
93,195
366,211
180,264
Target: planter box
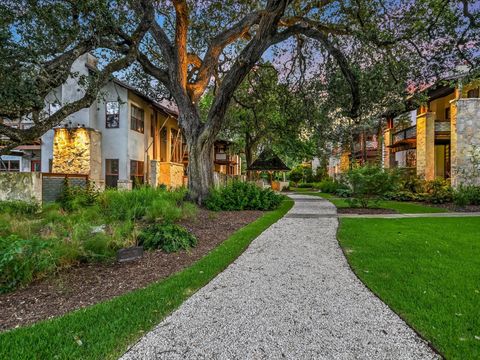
130,254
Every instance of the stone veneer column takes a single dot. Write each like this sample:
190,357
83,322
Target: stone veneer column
426,145
77,151
388,155
465,140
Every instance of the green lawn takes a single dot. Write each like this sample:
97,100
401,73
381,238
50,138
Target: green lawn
427,270
106,329
400,206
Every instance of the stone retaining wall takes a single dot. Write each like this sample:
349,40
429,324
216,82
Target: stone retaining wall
21,186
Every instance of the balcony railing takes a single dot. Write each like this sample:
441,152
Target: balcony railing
442,126
224,158
370,145
405,134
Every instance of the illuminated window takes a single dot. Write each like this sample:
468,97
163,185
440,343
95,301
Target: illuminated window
137,119
112,116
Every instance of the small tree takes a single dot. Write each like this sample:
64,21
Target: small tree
296,174
369,183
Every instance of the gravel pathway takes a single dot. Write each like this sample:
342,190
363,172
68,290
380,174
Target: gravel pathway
290,295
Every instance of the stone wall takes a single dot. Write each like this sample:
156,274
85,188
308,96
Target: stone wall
166,173
465,141
21,186
77,151
426,146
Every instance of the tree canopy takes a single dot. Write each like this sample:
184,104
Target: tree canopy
185,48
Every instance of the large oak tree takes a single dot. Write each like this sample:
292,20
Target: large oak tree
187,47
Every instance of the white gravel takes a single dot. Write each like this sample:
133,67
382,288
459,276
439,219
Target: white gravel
290,295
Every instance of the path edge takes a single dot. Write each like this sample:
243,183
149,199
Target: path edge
428,342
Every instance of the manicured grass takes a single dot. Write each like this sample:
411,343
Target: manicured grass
400,206
427,270
106,329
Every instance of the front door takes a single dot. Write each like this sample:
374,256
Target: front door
442,161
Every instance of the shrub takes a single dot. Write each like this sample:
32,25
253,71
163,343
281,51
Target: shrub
329,186
343,192
21,260
438,191
135,204
369,183
467,195
404,195
296,174
76,197
305,185
163,209
242,196
18,207
168,237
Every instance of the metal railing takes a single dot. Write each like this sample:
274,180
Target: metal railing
405,134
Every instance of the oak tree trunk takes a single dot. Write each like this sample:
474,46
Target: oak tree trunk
200,169
200,144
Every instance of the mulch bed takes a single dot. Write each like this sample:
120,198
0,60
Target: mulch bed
454,208
88,284
364,211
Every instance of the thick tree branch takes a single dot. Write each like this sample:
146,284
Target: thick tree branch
218,43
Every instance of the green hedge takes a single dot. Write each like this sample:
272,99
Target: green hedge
242,196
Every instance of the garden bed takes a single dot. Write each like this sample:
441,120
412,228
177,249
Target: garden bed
88,284
455,208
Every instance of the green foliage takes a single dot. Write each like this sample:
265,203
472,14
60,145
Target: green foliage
438,191
85,226
142,202
242,196
369,184
21,260
329,186
305,185
168,237
76,197
17,207
296,174
413,188
466,195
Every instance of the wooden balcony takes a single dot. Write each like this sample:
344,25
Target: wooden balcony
225,159
405,136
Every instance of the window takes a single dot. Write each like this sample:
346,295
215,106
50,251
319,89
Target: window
111,172
9,165
112,117
136,172
136,120
35,166
473,93
447,113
